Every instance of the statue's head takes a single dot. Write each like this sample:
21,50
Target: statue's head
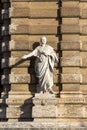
43,40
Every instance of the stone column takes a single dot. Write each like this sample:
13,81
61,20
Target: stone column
70,104
71,61
23,25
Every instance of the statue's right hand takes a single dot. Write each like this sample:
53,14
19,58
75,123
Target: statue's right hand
24,57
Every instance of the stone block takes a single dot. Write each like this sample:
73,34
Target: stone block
71,87
33,13
43,103
70,11
69,37
19,45
18,29
14,62
31,26
35,5
27,0
84,45
71,70
83,88
84,62
18,101
71,61
33,29
24,78
84,78
70,20
24,96
43,13
84,13
71,78
70,29
44,99
70,45
49,111
70,54
8,79
29,43
19,112
19,54
83,29
19,12
19,71
75,111
72,94
24,87
71,3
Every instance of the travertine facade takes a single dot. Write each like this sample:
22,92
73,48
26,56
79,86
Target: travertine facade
64,23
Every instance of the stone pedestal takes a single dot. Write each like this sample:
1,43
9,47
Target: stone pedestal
45,107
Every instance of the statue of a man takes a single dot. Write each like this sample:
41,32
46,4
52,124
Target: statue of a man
44,64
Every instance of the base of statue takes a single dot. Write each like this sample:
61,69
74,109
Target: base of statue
45,107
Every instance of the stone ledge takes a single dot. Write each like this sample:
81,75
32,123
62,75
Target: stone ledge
40,126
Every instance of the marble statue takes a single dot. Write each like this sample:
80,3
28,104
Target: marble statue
44,65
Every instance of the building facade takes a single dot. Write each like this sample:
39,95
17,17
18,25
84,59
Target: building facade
64,23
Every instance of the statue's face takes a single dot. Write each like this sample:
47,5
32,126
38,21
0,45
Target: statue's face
43,40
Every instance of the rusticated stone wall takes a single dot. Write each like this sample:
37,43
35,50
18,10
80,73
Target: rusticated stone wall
24,22
64,23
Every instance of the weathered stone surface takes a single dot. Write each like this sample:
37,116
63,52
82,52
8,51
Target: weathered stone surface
71,78
25,78
84,13
70,11
14,62
70,29
69,37
44,111
27,43
33,13
83,29
29,20
75,111
25,87
70,45
70,87
70,20
67,3
41,125
34,29
43,103
18,112
84,45
27,0
70,54
71,61
71,70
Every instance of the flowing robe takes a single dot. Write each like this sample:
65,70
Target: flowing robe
44,64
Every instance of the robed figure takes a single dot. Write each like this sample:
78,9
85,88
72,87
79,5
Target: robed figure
44,65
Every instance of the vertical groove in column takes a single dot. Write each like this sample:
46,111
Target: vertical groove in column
70,46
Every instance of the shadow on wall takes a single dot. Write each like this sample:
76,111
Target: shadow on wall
26,108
